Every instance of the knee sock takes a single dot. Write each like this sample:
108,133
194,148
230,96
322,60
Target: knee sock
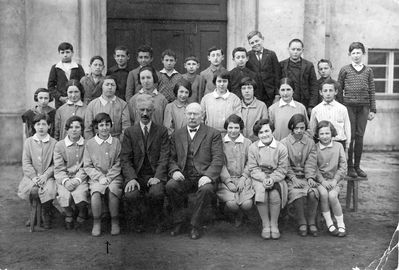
299,211
340,221
329,222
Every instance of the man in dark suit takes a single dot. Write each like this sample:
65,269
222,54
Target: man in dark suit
195,164
144,158
265,64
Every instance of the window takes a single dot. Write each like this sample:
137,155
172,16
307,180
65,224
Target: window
385,64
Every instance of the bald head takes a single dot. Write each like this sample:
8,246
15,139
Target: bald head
194,114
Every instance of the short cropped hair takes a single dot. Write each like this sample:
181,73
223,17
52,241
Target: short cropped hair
100,117
248,81
40,90
323,124
234,119
121,48
330,81
239,49
295,120
191,58
72,119
96,57
65,46
41,116
78,85
153,72
259,124
186,84
357,45
288,81
168,52
254,33
214,48
221,74
324,61
145,48
295,40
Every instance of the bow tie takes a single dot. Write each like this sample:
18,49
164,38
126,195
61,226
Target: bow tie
193,130
258,53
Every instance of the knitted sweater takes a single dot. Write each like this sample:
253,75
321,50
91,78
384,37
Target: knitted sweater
358,86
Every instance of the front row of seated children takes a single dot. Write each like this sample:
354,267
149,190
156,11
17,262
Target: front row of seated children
267,173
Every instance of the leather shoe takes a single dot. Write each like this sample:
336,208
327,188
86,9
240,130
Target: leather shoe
275,235
351,172
302,230
194,234
176,230
313,230
341,232
360,172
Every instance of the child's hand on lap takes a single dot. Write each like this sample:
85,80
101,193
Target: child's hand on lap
231,187
241,183
312,183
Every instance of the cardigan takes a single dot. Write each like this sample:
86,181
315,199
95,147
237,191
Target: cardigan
207,75
63,113
280,116
174,116
218,108
92,89
117,110
358,87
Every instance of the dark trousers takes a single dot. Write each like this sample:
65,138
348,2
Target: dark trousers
177,192
145,203
358,116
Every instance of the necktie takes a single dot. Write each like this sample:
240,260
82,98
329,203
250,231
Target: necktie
145,133
259,55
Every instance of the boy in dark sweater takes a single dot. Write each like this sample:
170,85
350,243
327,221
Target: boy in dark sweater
357,82
121,70
240,58
62,72
302,72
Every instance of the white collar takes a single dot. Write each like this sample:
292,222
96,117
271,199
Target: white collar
332,103
100,141
68,142
322,146
164,71
154,92
45,139
63,66
79,103
104,101
197,128
224,96
282,103
273,144
148,126
357,65
240,139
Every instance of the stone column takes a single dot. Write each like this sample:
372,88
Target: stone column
12,83
93,16
241,20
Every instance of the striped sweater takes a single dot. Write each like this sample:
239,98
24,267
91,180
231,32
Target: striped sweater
358,86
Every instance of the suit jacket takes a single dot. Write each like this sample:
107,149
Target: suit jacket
133,151
307,94
208,151
268,74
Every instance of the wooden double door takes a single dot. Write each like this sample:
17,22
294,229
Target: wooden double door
188,27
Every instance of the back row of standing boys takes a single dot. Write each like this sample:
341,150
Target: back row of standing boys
288,89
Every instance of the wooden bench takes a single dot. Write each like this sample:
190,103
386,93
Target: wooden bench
352,191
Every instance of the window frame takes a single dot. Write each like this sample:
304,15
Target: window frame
390,66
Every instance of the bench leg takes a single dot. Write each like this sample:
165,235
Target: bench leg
355,195
349,190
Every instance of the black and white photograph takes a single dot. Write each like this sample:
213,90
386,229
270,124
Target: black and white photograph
199,134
